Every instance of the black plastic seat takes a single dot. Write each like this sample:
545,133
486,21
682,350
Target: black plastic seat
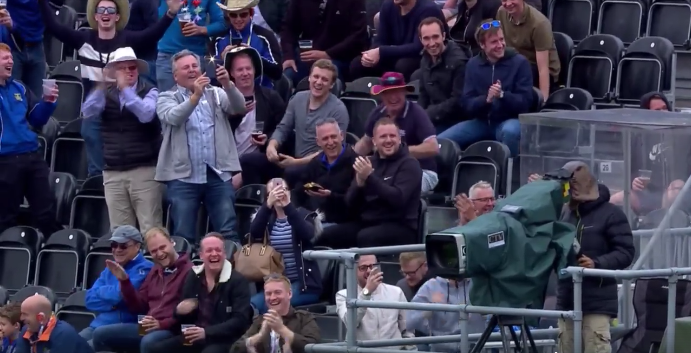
4,296
74,311
244,215
67,75
72,129
557,138
415,94
449,154
18,249
569,98
622,19
252,194
69,156
78,5
95,261
441,218
55,49
593,65
572,17
30,291
64,188
646,67
359,103
50,131
564,45
482,161
181,245
422,222
671,20
93,186
90,213
538,100
351,138
60,263
284,87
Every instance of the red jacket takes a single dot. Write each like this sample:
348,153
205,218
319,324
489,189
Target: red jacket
159,294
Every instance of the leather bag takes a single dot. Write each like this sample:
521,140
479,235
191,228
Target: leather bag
258,260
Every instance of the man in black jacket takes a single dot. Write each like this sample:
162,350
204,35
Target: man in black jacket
131,138
442,74
215,303
606,242
332,169
386,194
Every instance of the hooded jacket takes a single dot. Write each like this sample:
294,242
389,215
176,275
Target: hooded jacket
604,234
20,110
441,84
514,73
440,323
265,43
160,292
300,322
392,192
105,298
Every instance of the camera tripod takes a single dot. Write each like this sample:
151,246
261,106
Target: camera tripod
504,322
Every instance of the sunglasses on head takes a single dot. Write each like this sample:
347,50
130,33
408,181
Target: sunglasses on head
492,24
106,10
121,246
241,14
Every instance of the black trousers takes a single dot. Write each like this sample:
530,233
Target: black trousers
257,169
364,235
405,66
175,345
26,175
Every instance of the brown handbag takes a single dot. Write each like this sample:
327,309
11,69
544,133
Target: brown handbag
258,260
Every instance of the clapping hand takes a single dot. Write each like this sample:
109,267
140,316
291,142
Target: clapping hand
273,320
363,169
116,270
494,91
465,207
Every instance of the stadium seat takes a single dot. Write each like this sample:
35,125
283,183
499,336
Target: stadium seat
50,131
4,296
441,218
671,20
326,270
390,268
181,245
74,311
95,261
69,156
622,19
569,99
54,49
564,45
284,87
593,65
244,215
482,161
61,261
93,186
18,249
647,66
538,100
252,194
413,96
78,5
331,327
449,154
67,75
304,85
652,220
72,129
43,148
359,103
422,222
351,138
30,291
90,213
572,17
64,188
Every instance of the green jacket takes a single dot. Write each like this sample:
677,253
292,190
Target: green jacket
302,323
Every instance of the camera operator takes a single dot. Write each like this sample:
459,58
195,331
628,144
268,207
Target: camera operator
606,243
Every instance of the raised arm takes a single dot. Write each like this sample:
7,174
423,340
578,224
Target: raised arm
150,36
66,34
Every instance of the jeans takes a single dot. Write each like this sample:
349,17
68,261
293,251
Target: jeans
88,335
91,133
218,198
164,72
151,75
299,298
125,337
30,67
304,70
468,132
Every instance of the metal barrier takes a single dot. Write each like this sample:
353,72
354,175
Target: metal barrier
349,258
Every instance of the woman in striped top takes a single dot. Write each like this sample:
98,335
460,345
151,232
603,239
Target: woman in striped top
290,232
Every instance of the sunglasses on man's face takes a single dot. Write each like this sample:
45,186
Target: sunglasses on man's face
492,24
121,246
106,10
242,15
128,68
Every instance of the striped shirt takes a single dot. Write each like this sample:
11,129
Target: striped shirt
201,142
281,239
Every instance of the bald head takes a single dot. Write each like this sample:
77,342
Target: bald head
37,304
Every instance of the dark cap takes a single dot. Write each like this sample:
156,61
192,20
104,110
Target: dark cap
123,234
583,183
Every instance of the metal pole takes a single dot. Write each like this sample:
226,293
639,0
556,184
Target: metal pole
465,342
626,274
383,250
577,312
668,231
541,334
626,140
626,298
320,348
329,255
466,308
664,224
671,311
351,294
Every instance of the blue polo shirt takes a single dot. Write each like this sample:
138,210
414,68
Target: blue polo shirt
415,128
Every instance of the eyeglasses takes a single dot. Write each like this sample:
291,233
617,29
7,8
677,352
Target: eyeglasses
121,246
492,24
364,268
412,273
242,15
106,10
485,199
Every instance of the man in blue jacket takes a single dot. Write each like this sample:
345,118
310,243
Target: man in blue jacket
23,171
498,87
27,42
104,297
43,332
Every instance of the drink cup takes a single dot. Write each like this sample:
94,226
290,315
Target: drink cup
645,175
48,86
183,328
305,45
140,324
183,18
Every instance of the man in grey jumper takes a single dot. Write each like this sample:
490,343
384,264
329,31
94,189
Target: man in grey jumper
304,110
198,155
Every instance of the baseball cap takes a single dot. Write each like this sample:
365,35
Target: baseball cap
123,234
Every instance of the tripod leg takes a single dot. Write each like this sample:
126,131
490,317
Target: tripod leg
514,338
526,330
480,345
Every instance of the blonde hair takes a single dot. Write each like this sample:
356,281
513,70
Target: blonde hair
277,277
406,257
156,231
5,47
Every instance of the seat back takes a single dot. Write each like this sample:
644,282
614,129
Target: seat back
69,156
4,296
572,17
30,291
69,106
78,5
422,222
61,261
671,20
593,65
569,98
95,262
495,151
441,218
72,129
23,236
93,186
646,67
181,245
471,170
284,87
327,270
564,45
360,103
64,188
90,213
244,214
54,48
74,311
252,194
622,19
449,154
50,131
